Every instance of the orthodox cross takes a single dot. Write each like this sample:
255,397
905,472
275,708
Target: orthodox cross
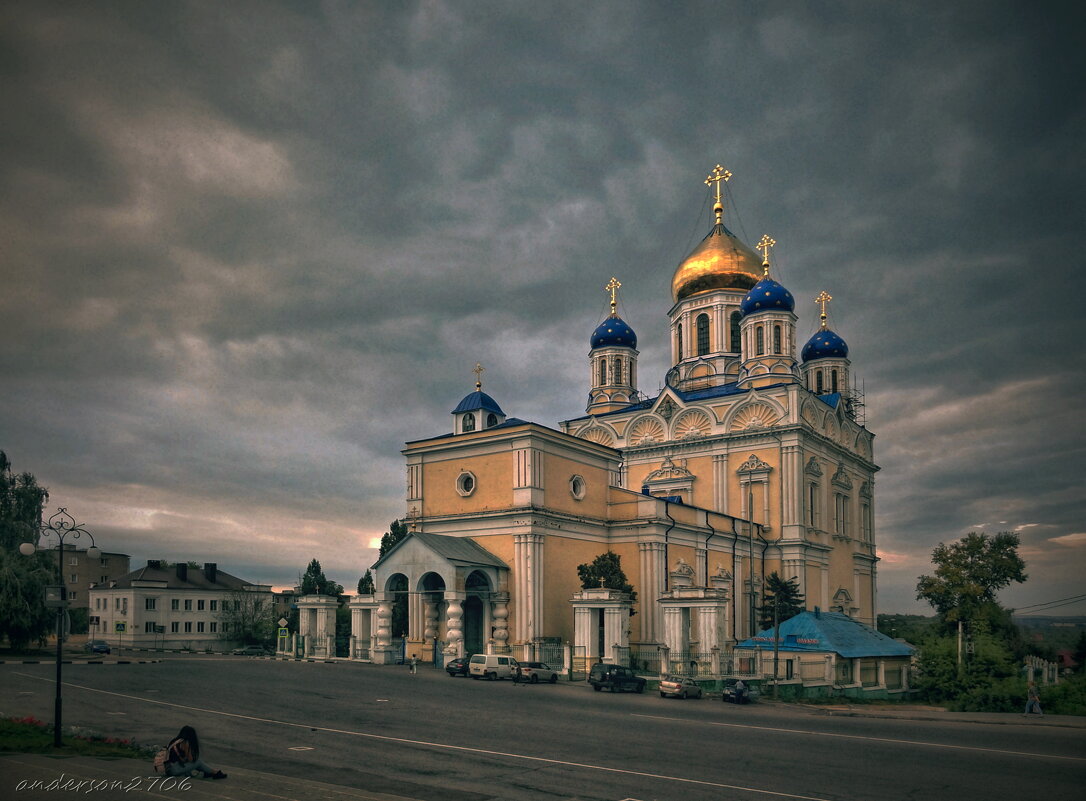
602,580
764,245
717,176
611,287
414,517
478,369
823,298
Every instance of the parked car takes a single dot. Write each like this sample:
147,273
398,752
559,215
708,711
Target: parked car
251,650
679,687
458,666
535,672
615,678
491,666
730,694
97,646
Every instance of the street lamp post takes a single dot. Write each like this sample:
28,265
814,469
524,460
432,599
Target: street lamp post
61,524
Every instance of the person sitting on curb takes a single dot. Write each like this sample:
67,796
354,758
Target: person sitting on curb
184,756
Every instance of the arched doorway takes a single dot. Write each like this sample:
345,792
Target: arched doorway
396,586
477,589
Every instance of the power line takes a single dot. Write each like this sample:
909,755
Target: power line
1058,600
1053,606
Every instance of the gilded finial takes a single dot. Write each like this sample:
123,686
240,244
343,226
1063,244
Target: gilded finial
718,176
414,516
612,287
823,298
764,245
478,369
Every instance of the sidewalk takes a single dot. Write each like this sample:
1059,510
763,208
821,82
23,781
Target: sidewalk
39,777
918,712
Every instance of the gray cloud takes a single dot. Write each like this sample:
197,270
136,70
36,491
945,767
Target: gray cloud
251,250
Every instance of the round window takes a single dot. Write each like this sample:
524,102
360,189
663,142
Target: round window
465,484
577,487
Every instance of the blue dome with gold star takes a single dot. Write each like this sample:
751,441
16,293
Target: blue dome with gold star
824,345
613,331
767,294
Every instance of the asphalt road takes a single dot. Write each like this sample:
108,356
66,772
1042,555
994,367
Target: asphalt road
435,738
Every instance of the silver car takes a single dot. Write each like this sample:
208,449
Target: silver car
679,687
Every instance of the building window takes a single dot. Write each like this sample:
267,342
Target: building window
491,420
818,382
833,381
776,339
188,604
679,340
469,422
73,578
840,513
465,484
736,336
149,627
149,603
603,371
116,603
103,579
865,520
188,627
577,487
214,627
618,371
71,595
812,505
214,606
200,627
200,605
175,627
702,324
225,628
175,604
759,341
105,561
73,561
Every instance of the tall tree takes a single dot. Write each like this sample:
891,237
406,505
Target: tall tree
314,582
605,571
397,530
782,594
247,617
365,584
969,573
23,616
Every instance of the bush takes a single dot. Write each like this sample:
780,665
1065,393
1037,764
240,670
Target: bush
1066,698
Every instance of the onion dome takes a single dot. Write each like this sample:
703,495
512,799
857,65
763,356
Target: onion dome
613,331
720,261
477,400
825,344
767,294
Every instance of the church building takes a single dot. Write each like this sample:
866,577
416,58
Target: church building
753,459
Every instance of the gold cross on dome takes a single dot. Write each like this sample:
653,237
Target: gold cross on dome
717,176
611,287
414,516
764,245
478,369
823,298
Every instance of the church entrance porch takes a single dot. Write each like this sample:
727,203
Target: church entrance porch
601,624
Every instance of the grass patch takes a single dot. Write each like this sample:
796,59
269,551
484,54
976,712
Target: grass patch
32,736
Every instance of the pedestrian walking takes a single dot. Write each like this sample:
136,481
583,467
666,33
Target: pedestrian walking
414,663
1033,700
740,691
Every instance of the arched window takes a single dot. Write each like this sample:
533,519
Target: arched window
679,341
491,420
776,339
833,381
736,341
759,341
818,383
603,371
618,371
702,324
469,422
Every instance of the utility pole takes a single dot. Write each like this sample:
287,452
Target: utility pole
776,640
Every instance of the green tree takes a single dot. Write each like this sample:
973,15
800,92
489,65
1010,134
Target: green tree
23,616
248,617
397,530
969,573
314,582
365,584
785,595
605,571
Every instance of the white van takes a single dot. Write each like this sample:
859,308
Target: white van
491,666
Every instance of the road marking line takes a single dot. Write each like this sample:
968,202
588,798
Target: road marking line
386,738
863,737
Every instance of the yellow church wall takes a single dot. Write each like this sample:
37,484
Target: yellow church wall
561,555
557,472
493,489
736,490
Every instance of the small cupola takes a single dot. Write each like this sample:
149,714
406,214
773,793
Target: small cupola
768,330
477,411
826,366
612,361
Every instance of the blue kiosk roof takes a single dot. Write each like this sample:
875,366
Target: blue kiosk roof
829,631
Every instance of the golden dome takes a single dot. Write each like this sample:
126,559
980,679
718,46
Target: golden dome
720,261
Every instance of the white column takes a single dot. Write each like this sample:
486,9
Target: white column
720,483
384,624
582,629
500,612
614,627
454,635
673,628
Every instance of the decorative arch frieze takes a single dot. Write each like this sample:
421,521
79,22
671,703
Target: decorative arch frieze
597,433
646,430
753,415
691,424
810,414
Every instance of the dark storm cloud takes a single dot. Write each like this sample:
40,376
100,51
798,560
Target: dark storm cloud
251,250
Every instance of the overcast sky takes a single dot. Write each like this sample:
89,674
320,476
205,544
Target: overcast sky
250,249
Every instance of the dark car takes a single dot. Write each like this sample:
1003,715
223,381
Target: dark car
733,695
615,678
458,666
251,650
535,672
97,646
